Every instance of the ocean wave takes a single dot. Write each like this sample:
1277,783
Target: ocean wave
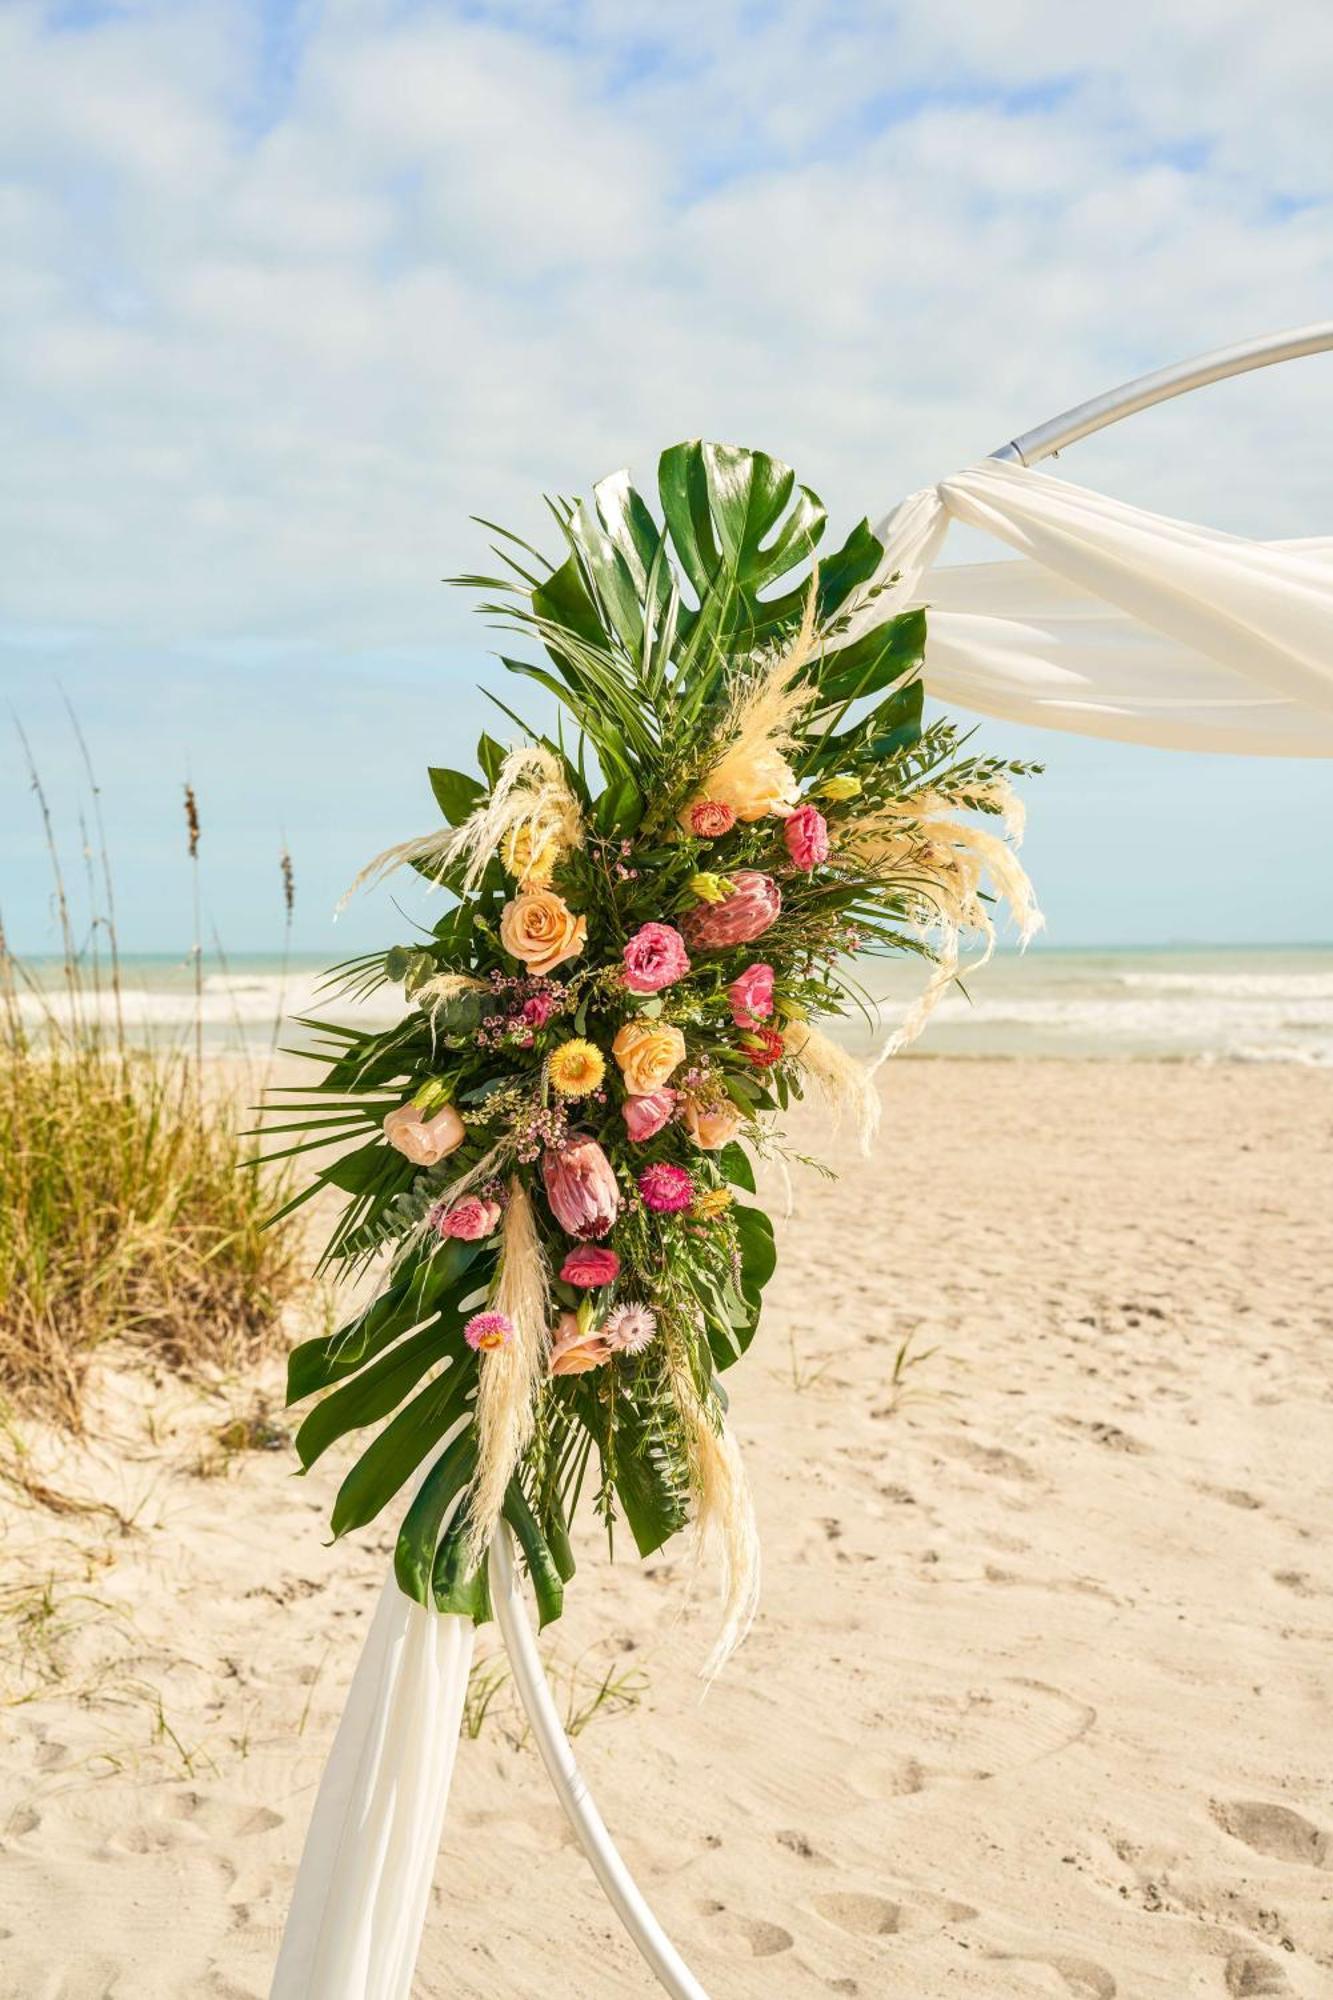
1232,985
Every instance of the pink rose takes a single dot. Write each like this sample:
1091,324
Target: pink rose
711,1125
710,819
645,1116
751,909
581,1187
655,957
751,996
424,1140
806,835
591,1264
471,1220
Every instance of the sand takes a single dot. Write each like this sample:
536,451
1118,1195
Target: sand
1038,1701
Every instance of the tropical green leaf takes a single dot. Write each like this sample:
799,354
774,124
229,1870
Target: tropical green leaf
455,793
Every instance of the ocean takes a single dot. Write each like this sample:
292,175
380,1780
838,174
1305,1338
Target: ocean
1205,1004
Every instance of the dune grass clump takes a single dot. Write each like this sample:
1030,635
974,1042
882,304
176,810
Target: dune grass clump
130,1209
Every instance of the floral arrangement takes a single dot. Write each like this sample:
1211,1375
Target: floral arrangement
550,1158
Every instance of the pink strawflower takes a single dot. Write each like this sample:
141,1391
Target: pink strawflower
655,957
750,910
751,996
581,1187
764,1047
666,1189
806,835
710,819
470,1220
646,1115
590,1265
629,1329
487,1331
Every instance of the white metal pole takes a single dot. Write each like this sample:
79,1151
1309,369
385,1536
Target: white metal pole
571,1788
1145,390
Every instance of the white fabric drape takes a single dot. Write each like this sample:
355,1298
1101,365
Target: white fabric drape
1116,622
364,1882
1112,622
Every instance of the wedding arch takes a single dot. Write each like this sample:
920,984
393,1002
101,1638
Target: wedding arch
1104,621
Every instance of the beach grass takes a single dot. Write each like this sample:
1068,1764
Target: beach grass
129,1212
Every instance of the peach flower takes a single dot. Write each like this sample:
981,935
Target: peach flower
424,1140
539,928
647,1051
711,1124
574,1352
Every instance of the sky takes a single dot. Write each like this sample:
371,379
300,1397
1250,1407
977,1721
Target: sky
292,290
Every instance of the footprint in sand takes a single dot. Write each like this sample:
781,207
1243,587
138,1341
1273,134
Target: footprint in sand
1080,1976
746,1937
864,1915
1249,1973
1277,1831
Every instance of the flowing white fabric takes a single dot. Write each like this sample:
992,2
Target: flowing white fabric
1115,622
1112,622
364,1882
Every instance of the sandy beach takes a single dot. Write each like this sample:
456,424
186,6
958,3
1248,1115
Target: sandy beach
1038,1700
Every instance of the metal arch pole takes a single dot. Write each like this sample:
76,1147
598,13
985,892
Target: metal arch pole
618,1885
1145,390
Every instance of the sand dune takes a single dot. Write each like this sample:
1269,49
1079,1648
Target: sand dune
1038,1702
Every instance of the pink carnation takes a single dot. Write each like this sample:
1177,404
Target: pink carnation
751,996
646,1115
537,1011
666,1189
806,835
710,819
655,957
470,1219
590,1265
751,909
487,1331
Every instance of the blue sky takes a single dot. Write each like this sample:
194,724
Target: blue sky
291,290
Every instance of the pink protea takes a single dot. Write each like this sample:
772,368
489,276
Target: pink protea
646,1115
629,1329
655,957
751,996
750,910
806,835
666,1189
487,1331
590,1264
470,1220
581,1187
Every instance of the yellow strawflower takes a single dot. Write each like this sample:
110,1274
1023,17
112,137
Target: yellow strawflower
711,1203
531,871
576,1068
839,789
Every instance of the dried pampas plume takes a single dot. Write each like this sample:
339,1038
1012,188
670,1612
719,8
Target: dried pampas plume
764,706
510,1377
530,795
844,1084
947,861
724,1520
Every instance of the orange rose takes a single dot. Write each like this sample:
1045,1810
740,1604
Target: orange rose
647,1052
711,1125
540,928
